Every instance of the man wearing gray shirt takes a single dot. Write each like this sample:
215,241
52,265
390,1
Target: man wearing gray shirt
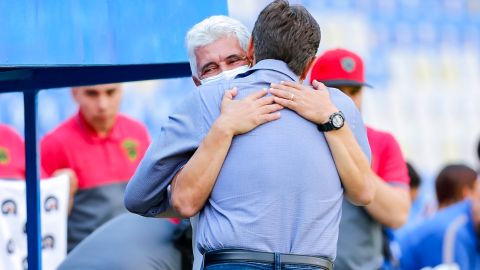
278,192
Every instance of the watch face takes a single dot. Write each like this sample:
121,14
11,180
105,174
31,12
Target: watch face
337,121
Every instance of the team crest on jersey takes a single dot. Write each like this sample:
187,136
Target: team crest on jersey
348,64
130,147
4,156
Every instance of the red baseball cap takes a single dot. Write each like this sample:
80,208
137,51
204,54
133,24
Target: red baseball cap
339,67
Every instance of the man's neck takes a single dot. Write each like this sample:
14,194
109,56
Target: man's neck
101,132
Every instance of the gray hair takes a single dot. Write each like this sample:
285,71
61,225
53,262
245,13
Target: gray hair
210,30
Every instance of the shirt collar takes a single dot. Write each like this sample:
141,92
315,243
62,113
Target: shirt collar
272,64
88,131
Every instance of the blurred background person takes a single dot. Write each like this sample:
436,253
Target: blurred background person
12,154
360,243
454,183
415,182
391,247
12,159
449,238
103,149
418,210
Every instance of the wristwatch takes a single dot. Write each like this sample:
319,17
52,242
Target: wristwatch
335,121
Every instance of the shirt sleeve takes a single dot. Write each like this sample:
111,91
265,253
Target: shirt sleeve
52,156
146,193
392,166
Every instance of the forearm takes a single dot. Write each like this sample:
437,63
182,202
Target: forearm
390,206
193,184
352,166
146,193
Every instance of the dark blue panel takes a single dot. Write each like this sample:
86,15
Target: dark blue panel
33,181
33,78
99,31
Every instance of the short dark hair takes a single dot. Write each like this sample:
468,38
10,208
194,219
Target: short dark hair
415,180
451,180
288,33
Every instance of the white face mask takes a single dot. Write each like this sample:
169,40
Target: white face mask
225,75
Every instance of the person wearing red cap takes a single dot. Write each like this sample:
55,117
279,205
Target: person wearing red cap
360,240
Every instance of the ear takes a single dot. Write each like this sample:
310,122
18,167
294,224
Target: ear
75,91
251,51
196,81
307,69
468,192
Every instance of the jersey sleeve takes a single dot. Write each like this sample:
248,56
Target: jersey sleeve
52,156
392,166
464,258
146,193
466,248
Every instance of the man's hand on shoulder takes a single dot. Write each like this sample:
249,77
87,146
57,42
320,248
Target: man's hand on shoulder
241,116
351,162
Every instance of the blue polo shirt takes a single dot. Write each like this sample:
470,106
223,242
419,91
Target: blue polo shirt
448,237
278,189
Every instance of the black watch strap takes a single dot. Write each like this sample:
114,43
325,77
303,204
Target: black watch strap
325,127
328,126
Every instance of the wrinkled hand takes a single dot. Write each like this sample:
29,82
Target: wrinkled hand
241,116
314,105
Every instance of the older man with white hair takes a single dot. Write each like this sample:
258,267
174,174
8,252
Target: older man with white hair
216,50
